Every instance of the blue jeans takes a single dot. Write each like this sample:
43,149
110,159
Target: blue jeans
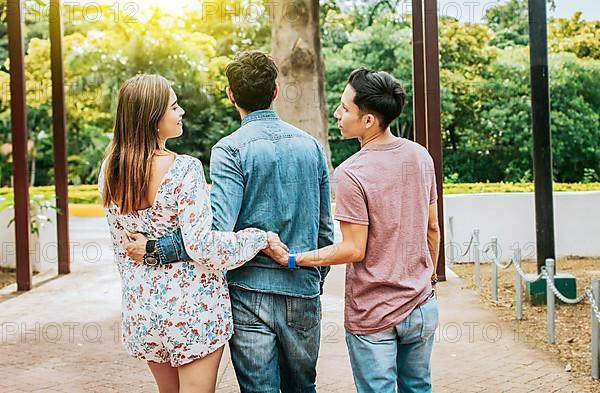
276,341
398,356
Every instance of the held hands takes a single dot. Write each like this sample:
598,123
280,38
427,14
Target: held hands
135,246
275,249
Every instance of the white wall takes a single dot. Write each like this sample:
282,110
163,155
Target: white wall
43,251
511,218
508,216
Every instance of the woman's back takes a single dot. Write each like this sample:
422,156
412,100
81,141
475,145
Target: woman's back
176,312
161,166
160,214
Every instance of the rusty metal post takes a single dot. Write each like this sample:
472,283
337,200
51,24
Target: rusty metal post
434,122
59,122
419,103
18,119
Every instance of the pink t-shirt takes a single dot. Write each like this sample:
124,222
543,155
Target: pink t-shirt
389,188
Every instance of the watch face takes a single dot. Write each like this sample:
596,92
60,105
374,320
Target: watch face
151,260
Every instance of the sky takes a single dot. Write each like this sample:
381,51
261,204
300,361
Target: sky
473,10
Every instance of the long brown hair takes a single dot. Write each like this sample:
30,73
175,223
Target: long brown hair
141,103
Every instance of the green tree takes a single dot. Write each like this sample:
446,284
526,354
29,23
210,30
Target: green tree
384,45
465,53
576,36
484,77
509,23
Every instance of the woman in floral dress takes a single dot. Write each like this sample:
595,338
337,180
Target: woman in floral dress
176,317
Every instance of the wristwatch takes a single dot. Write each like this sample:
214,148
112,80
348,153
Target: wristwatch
151,256
292,260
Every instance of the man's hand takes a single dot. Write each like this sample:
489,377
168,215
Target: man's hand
275,249
434,281
135,246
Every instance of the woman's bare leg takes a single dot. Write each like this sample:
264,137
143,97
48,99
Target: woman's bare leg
167,377
200,376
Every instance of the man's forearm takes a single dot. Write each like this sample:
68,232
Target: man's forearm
335,254
170,248
433,243
325,239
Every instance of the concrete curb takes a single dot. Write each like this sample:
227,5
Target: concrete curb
85,210
95,210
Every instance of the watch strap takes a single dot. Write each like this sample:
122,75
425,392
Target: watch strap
150,246
292,260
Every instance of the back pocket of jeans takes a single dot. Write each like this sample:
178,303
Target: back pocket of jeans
245,306
303,314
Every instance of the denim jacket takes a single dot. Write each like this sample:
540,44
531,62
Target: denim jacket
273,176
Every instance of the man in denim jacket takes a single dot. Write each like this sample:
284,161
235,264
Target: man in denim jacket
269,175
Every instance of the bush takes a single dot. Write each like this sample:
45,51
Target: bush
476,188
87,194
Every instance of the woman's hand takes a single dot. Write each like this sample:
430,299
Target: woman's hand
275,249
135,246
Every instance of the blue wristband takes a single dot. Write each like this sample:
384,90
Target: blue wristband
292,260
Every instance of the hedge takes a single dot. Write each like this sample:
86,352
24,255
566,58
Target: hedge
477,188
88,194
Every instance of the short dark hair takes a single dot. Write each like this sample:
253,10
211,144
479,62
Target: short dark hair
252,77
378,92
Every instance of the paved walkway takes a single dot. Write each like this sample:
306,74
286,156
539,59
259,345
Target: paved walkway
63,337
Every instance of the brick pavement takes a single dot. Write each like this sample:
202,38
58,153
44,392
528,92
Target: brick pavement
62,337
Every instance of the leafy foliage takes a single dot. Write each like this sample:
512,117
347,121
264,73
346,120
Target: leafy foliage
484,75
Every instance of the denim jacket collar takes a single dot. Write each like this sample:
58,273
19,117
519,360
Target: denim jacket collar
263,114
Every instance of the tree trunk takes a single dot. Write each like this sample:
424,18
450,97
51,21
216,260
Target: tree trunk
296,46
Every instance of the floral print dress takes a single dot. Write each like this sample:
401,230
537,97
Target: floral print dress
180,312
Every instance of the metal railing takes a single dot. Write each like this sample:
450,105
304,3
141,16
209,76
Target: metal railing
547,273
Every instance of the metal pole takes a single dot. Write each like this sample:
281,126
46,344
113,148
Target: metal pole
550,299
518,289
434,117
419,104
59,126
542,138
18,122
595,332
452,254
476,257
494,269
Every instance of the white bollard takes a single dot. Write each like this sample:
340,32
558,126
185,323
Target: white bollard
595,332
476,257
451,254
494,269
518,289
550,299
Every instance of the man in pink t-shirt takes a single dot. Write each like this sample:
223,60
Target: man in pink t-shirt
386,202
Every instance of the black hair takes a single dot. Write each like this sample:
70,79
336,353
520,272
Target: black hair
252,76
379,93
